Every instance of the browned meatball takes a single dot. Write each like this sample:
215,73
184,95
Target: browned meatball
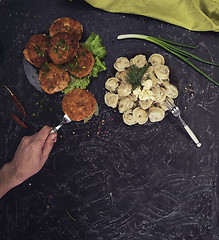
36,51
82,64
78,104
66,25
53,78
63,48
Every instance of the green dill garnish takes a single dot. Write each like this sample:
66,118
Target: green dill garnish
67,27
70,215
61,42
46,68
66,47
48,43
44,65
135,75
38,51
37,47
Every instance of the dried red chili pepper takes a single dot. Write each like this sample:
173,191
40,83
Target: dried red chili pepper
17,103
18,121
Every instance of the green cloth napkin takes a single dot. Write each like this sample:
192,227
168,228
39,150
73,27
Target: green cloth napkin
196,15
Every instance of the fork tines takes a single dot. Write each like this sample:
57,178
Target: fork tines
169,104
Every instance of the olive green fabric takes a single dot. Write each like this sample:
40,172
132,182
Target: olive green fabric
196,15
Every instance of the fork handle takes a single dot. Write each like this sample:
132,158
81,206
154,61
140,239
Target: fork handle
192,135
56,128
53,131
190,132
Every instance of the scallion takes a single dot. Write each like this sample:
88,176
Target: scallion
169,46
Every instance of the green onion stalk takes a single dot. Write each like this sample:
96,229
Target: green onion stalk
169,46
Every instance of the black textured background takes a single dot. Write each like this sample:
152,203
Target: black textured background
118,182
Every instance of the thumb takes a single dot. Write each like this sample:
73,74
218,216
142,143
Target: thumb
48,145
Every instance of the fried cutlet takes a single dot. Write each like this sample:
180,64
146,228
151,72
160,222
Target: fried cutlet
36,51
82,64
79,104
63,47
53,78
66,25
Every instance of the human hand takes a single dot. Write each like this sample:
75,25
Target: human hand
31,154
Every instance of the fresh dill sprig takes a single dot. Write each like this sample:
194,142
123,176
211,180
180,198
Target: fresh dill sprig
135,74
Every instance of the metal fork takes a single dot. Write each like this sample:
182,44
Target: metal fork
176,113
66,119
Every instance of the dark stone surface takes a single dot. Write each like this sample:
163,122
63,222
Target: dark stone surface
118,182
